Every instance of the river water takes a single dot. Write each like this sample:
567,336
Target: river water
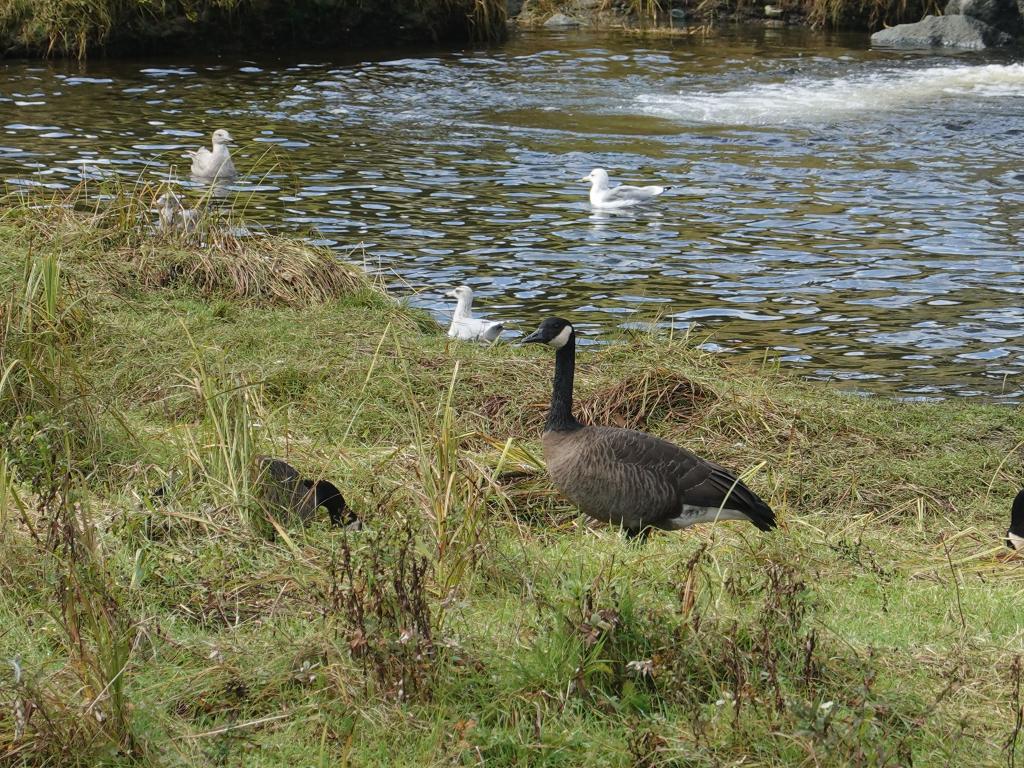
854,214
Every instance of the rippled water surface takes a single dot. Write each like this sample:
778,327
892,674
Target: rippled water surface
855,214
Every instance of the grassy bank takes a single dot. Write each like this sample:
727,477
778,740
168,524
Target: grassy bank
78,27
478,621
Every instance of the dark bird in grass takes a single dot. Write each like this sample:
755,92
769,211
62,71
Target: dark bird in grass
628,478
1015,535
281,487
282,491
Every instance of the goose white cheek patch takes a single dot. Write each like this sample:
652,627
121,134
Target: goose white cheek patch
562,338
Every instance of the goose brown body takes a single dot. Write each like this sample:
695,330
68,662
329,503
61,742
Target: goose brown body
630,478
635,480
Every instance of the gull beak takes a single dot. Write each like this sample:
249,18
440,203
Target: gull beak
585,178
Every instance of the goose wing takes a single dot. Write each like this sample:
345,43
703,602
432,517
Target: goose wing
673,479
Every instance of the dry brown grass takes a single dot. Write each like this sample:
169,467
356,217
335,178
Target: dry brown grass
215,261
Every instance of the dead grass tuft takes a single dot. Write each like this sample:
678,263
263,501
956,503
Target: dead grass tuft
217,262
654,394
264,269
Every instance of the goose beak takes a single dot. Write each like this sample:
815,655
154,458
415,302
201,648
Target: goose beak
451,293
585,178
533,338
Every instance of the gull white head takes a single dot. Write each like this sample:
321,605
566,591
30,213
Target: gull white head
464,294
598,177
220,136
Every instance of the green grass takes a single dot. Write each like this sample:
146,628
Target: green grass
479,620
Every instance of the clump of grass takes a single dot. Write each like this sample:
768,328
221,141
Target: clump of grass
871,14
260,268
653,394
265,269
46,413
220,454
647,10
455,491
381,597
59,27
485,19
82,702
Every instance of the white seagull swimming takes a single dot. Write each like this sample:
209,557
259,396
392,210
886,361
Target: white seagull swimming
215,163
603,196
466,327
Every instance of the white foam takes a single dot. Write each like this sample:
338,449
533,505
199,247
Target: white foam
815,100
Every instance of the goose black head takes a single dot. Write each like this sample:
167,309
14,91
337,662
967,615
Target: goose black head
554,331
329,497
1015,536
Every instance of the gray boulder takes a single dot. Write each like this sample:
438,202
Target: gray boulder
561,21
1001,14
957,31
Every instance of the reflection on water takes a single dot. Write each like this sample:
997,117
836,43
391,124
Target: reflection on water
854,213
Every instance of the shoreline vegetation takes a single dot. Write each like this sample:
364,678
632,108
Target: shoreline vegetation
77,28
81,28
478,620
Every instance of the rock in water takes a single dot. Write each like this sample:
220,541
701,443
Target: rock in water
560,21
959,31
1004,15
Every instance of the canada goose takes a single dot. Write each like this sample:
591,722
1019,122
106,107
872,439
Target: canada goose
466,327
603,196
174,216
1015,535
215,163
630,478
281,487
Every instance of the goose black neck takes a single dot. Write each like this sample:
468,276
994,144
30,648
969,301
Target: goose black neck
560,418
329,497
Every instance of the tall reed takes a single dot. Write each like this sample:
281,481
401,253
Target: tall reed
456,491
220,454
45,400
